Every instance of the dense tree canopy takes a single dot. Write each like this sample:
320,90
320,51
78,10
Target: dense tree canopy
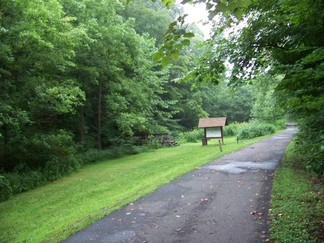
78,75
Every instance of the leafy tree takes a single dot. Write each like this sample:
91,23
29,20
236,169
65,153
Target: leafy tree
221,100
150,17
36,49
115,69
266,107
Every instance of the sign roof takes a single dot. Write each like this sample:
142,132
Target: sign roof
212,122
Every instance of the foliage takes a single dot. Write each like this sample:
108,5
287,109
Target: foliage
243,130
175,39
233,128
222,101
295,211
190,136
24,179
5,189
37,49
310,143
266,107
150,17
255,129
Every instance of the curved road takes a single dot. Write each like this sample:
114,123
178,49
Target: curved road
224,201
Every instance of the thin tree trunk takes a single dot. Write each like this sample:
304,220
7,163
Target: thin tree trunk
99,116
81,127
6,139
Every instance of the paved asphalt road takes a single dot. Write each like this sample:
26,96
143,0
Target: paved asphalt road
224,201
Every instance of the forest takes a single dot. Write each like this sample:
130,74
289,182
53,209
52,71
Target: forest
85,79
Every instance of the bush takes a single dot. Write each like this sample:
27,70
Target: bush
190,136
24,179
93,155
54,153
58,167
310,145
255,129
5,189
233,129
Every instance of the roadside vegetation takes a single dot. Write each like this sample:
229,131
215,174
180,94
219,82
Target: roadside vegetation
297,204
241,130
55,211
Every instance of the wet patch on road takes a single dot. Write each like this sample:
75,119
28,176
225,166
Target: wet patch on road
237,167
119,236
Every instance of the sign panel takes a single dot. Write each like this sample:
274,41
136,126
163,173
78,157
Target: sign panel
213,132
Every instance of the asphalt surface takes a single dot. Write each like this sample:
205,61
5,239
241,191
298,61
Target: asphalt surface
224,201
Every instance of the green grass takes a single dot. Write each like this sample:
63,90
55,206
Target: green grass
297,205
57,210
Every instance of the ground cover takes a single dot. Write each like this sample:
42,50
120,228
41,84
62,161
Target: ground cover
297,205
55,211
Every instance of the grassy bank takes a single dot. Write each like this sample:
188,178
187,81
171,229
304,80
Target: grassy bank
55,211
297,206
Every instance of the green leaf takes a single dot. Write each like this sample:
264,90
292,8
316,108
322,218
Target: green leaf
168,3
158,56
185,42
165,61
189,35
178,47
175,54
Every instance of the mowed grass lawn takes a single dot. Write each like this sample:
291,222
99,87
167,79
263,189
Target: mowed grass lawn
53,212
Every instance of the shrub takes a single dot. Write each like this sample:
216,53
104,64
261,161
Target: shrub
255,129
190,136
52,153
23,179
93,155
5,189
233,129
310,144
58,167
280,124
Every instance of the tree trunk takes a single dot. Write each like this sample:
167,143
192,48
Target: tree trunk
81,127
99,115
